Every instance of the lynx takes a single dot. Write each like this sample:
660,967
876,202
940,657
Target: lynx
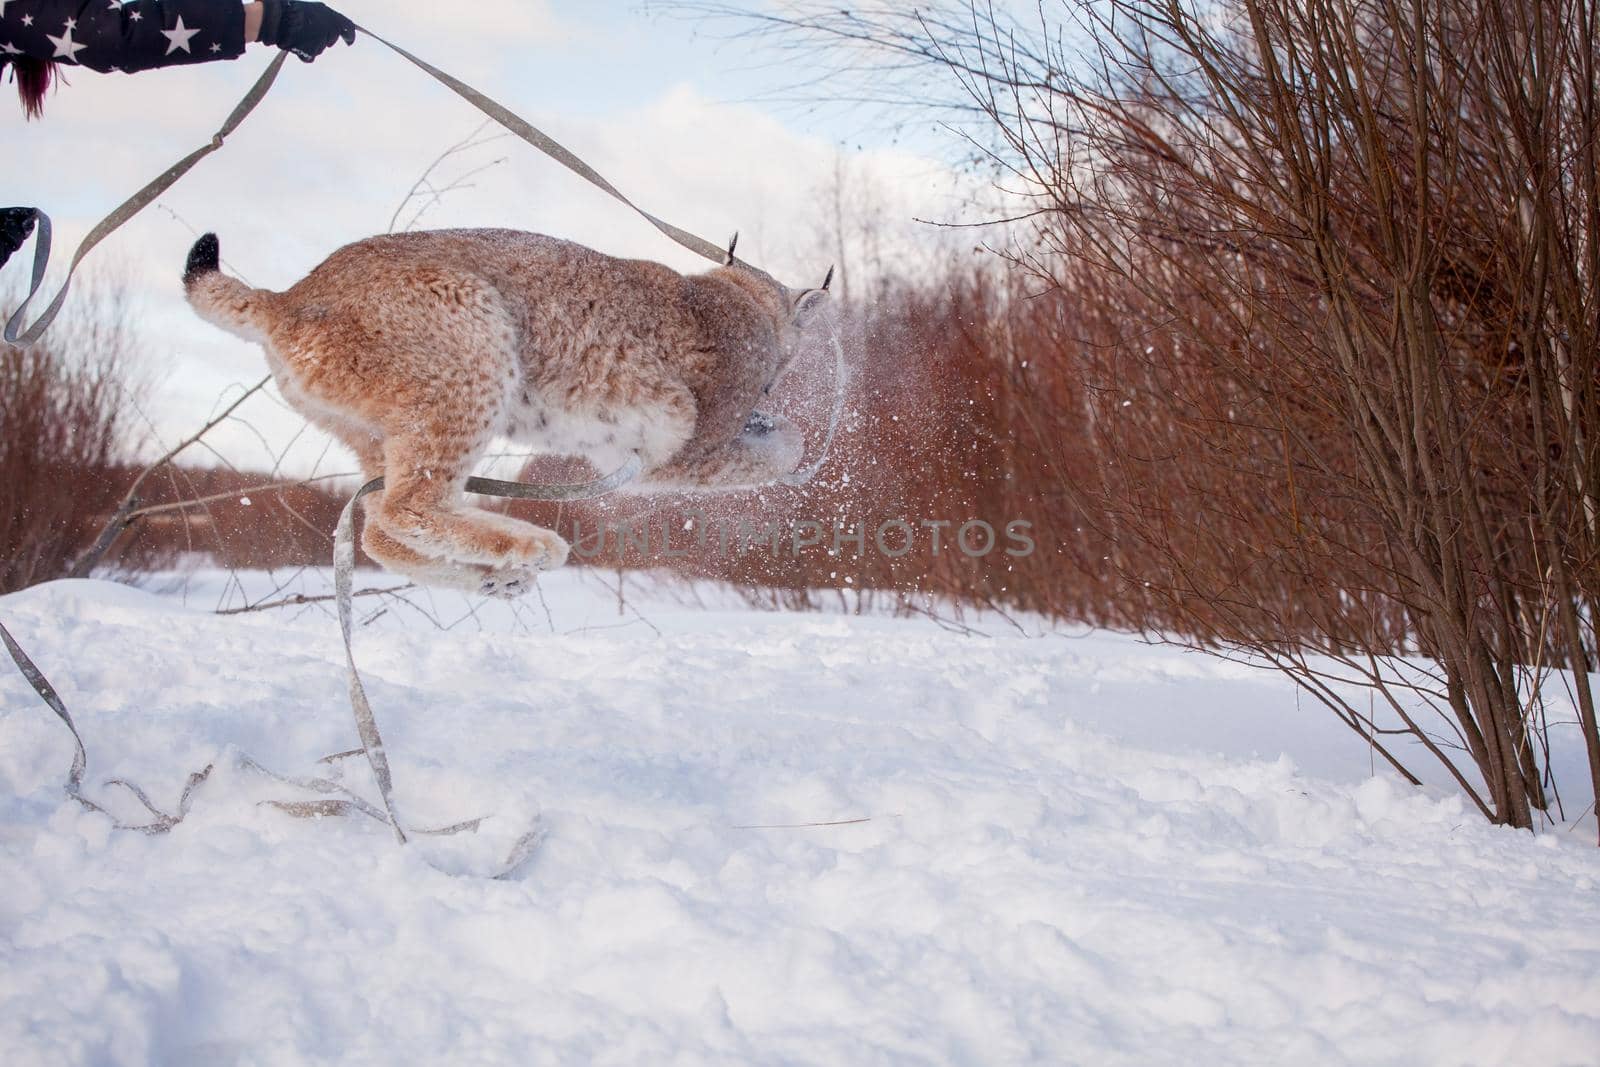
417,350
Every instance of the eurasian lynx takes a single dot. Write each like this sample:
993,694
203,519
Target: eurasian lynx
416,350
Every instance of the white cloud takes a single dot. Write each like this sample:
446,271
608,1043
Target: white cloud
478,28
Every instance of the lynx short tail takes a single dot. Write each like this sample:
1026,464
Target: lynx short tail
221,300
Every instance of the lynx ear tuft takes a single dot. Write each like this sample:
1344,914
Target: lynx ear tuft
732,244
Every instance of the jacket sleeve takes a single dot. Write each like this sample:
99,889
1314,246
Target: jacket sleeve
107,36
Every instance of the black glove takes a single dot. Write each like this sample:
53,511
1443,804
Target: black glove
16,223
303,28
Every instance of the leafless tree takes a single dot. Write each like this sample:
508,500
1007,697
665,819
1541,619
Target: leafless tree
1333,318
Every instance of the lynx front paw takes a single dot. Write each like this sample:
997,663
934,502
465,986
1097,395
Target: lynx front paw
546,552
769,447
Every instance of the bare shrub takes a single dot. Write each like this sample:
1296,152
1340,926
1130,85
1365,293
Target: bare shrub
65,429
240,520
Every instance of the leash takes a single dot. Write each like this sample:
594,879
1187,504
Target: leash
160,822
341,800
552,148
15,334
344,565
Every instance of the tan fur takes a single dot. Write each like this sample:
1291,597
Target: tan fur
416,350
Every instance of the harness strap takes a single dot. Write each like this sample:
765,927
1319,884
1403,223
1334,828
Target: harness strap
835,413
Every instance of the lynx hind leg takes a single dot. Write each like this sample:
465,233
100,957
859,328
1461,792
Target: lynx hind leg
442,397
424,510
504,583
391,554
408,563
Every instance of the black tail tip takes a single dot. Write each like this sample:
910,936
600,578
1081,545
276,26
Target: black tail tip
203,258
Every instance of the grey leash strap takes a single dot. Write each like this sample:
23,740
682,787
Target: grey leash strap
344,564
552,148
160,822
344,541
48,694
14,332
345,802
338,800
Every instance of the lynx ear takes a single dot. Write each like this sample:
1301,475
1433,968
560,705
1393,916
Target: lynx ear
727,260
807,303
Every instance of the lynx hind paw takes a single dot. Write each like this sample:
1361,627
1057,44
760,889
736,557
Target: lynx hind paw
508,583
518,579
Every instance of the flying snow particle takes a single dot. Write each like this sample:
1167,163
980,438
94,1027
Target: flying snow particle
245,501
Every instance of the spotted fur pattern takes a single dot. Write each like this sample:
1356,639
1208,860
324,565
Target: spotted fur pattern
417,350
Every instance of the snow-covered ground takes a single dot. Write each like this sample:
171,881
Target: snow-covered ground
1046,860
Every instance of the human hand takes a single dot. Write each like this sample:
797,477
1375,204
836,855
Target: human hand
16,223
302,27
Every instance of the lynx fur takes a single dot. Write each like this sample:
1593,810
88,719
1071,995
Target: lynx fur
417,350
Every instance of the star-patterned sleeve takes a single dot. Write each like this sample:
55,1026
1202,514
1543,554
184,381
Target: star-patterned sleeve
105,35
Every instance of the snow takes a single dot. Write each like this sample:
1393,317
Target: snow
1071,848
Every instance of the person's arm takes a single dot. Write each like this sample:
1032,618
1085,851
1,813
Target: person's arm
144,34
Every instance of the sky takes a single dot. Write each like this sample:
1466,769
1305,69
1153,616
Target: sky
675,114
